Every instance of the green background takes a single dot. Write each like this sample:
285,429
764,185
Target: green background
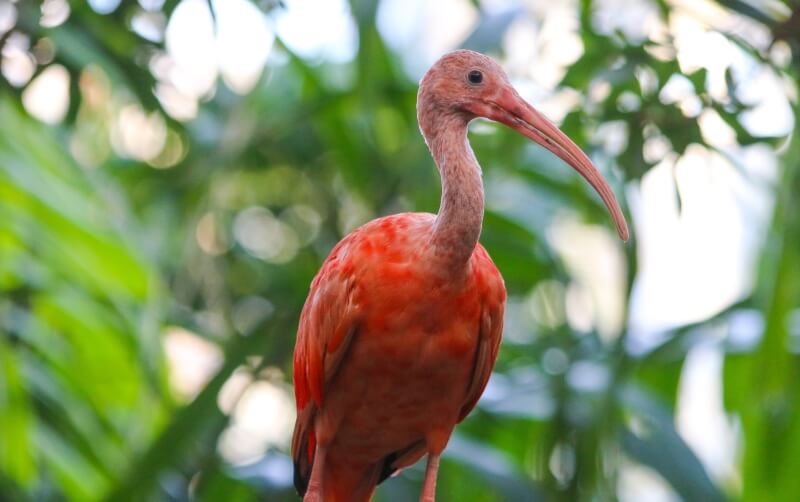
98,264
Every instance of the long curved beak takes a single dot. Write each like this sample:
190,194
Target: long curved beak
510,109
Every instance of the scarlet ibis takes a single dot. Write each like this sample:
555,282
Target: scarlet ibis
402,324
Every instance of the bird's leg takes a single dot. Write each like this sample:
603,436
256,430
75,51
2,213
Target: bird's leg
314,490
431,471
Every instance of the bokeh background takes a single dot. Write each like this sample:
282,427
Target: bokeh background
172,174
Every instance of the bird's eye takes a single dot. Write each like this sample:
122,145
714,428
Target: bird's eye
475,77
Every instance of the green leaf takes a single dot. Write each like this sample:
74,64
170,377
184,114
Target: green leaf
17,460
655,443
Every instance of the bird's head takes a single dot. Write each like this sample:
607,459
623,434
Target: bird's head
463,85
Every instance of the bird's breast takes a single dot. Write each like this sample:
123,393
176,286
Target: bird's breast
413,353
404,296
413,313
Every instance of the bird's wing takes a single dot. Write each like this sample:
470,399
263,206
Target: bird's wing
490,334
327,327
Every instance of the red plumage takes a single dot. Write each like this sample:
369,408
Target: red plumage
390,352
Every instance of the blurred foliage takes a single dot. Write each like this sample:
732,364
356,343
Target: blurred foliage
100,255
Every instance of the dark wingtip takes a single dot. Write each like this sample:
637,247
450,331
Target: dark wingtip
387,469
300,479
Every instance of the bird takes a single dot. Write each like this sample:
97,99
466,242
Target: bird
402,325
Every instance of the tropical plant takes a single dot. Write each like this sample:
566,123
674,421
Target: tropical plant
157,242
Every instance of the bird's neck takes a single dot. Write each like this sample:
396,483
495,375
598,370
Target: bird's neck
458,224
